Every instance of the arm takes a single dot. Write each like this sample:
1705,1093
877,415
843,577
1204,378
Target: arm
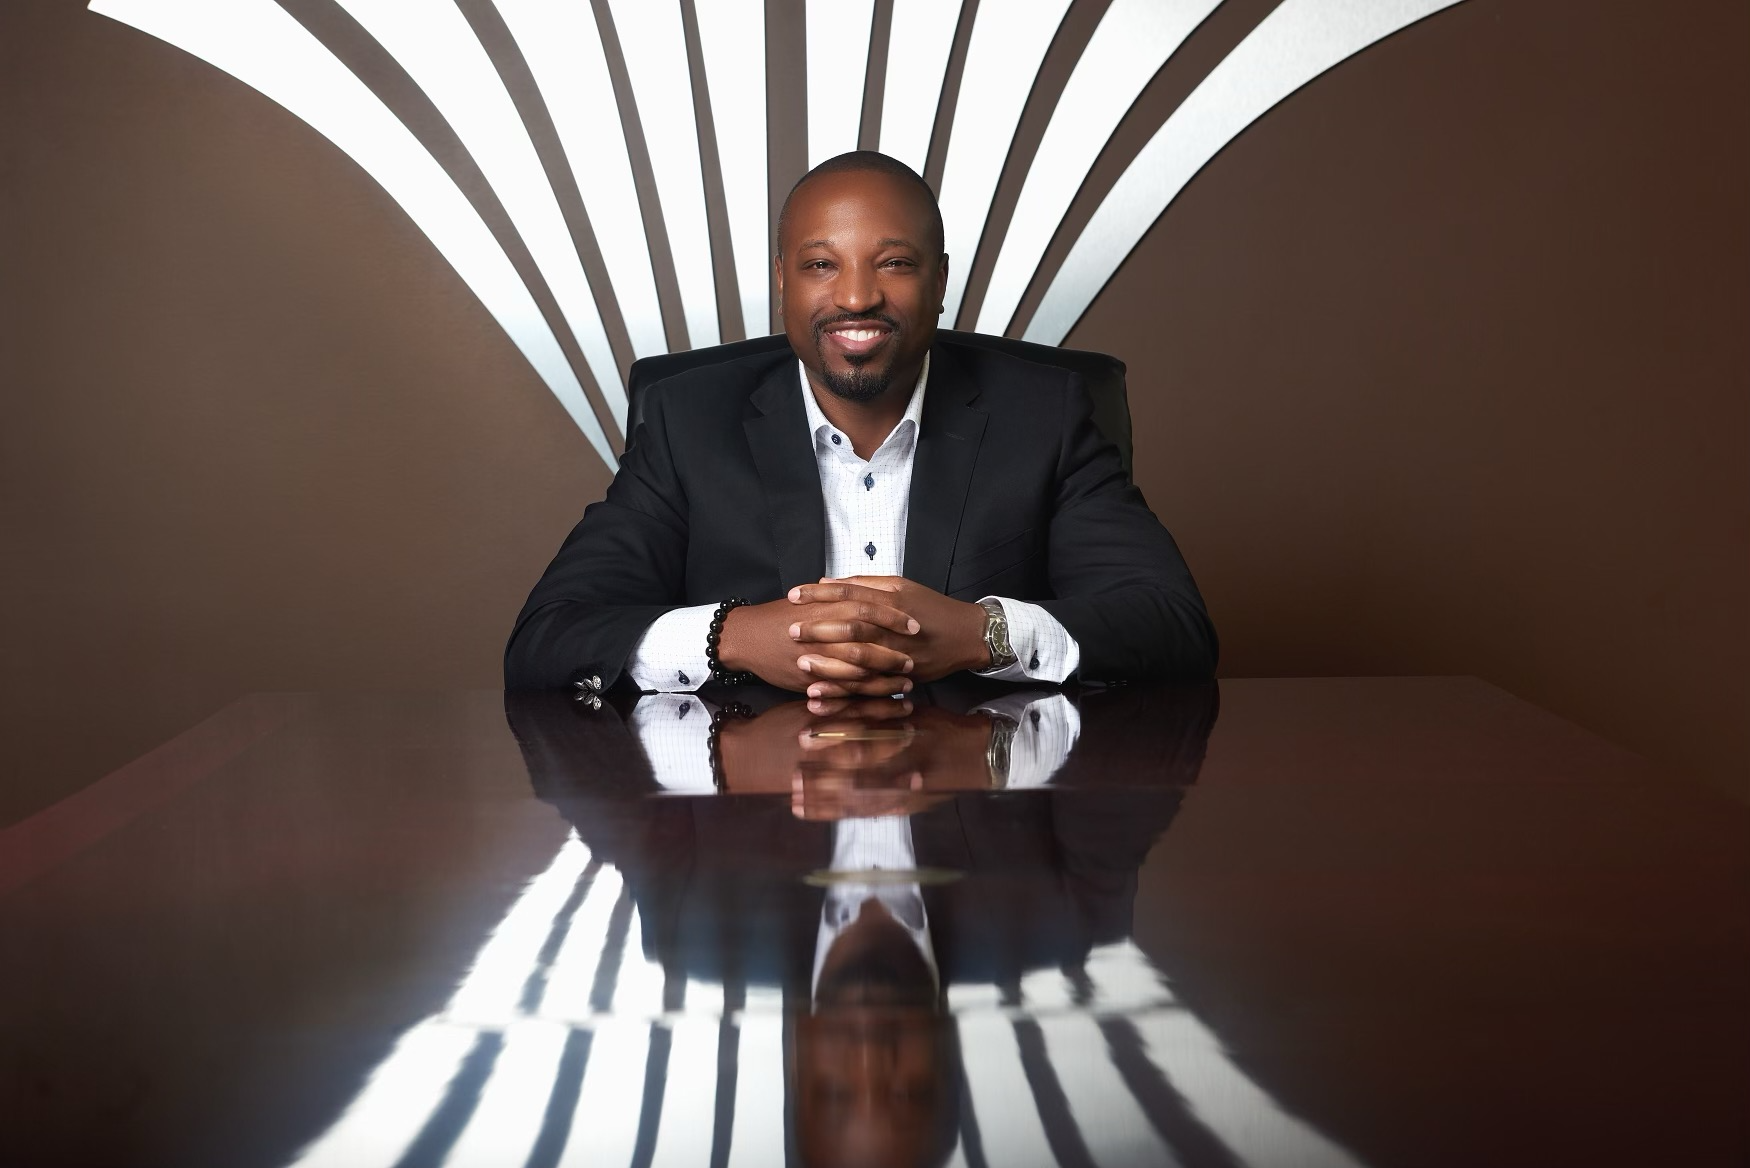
620,569
1119,586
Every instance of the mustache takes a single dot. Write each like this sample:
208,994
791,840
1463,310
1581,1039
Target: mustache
820,326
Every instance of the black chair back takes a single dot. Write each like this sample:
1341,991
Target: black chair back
1103,375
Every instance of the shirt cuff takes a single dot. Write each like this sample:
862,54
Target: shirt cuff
670,656
1046,729
675,732
1044,650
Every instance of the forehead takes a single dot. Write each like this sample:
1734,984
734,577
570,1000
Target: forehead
853,203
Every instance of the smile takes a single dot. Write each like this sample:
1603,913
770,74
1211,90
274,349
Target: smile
857,339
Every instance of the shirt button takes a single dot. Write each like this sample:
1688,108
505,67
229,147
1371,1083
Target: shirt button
869,550
1033,662
836,440
682,674
868,482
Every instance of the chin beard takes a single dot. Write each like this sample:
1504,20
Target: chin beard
857,384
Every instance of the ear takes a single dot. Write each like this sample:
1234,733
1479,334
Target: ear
942,285
778,280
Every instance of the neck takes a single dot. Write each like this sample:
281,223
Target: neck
867,424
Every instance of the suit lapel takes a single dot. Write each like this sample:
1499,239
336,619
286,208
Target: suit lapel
783,452
948,440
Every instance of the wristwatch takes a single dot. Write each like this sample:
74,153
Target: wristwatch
997,750
996,636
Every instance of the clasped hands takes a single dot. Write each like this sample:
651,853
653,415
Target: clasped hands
861,636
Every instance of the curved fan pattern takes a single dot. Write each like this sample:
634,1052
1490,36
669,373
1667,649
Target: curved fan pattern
660,112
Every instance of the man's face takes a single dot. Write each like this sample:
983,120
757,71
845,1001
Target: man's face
859,283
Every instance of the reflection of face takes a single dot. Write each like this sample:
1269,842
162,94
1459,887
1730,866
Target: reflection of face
874,1062
858,285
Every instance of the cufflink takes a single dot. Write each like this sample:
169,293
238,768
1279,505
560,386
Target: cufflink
589,692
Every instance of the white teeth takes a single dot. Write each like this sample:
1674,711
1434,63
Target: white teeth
859,334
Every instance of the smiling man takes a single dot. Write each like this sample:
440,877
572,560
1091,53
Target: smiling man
881,506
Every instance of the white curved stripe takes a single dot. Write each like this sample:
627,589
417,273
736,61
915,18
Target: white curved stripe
1113,1124
732,42
838,64
1002,60
259,44
655,48
513,1102
387,1114
563,48
439,50
1134,39
1235,1109
604,1129
758,1140
918,43
491,992
1299,40
689,1094
572,974
1002,1099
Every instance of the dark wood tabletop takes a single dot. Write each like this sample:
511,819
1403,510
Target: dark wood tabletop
1352,921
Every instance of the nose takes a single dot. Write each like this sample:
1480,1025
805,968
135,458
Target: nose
857,289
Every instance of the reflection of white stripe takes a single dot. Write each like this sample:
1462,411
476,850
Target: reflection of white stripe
838,60
655,49
924,30
732,43
1002,59
605,1128
1002,1100
689,1094
1124,979
638,991
387,1114
759,1098
563,48
573,972
434,43
1111,1121
1235,1109
263,47
1292,45
491,993
1133,41
507,1120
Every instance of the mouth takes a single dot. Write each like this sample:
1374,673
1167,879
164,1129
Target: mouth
857,338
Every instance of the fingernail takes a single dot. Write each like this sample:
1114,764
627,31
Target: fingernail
905,687
908,664
796,593
804,665
814,691
795,630
912,626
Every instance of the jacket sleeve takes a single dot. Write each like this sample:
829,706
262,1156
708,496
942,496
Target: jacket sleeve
621,568
1119,585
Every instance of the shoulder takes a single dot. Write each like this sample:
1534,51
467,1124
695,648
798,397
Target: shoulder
712,394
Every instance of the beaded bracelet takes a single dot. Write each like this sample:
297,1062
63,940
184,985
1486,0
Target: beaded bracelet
719,674
714,749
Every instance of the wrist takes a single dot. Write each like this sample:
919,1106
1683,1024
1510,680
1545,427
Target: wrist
731,643
975,655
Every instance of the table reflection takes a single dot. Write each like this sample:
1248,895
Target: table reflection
896,933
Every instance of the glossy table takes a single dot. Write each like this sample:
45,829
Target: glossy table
1342,922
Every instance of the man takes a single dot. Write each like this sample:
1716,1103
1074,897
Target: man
882,510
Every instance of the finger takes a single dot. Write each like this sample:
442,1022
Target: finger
842,631
870,658
881,583
840,591
870,612
882,685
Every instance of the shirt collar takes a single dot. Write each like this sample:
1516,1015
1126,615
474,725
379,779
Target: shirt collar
905,431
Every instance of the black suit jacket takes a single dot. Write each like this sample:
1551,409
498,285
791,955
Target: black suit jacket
1014,493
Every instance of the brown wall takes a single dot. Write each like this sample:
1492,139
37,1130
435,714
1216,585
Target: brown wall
1439,368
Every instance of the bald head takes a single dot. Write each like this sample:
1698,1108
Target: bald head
906,183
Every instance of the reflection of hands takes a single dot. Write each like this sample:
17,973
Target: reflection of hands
856,757
949,633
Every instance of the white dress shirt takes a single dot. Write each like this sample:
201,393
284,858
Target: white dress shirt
867,503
